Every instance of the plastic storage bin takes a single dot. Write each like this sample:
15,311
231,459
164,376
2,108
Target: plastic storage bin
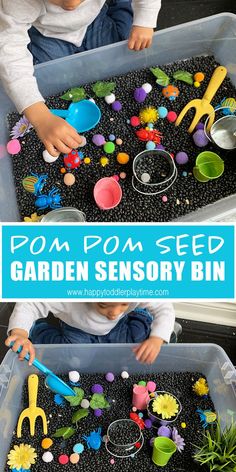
215,35
209,359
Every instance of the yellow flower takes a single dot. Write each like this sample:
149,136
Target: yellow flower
166,406
22,456
34,218
200,387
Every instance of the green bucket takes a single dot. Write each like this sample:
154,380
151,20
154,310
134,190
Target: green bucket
163,450
208,166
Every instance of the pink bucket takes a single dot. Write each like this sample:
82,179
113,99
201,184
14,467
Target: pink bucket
140,397
107,193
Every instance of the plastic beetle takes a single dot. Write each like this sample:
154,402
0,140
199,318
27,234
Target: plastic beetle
94,440
34,183
51,200
151,135
207,417
137,419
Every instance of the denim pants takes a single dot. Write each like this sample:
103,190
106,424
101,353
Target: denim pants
113,24
134,327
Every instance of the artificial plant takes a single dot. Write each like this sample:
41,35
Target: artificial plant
218,449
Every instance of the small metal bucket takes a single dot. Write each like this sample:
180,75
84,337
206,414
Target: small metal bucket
223,131
64,215
160,169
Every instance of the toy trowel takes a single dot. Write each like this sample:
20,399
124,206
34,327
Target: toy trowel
51,381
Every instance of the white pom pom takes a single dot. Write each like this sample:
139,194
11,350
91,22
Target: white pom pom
74,376
147,87
109,99
47,457
48,157
124,374
85,403
83,142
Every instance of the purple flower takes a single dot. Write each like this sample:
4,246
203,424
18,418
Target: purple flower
21,128
178,440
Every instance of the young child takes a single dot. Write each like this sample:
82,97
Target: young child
149,323
34,31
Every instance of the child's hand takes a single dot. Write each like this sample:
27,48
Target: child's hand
55,133
20,338
140,38
148,350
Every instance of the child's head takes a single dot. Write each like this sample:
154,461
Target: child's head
111,310
67,4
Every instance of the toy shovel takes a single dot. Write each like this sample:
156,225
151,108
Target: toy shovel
83,115
203,106
33,411
52,381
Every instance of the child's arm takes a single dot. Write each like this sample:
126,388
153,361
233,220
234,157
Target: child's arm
20,338
20,323
17,75
144,22
162,327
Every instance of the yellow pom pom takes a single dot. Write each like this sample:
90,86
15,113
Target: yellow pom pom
87,160
148,115
104,161
197,84
183,425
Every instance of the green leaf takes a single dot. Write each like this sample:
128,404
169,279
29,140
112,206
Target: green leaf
98,400
184,76
78,415
77,399
75,94
64,433
162,78
102,89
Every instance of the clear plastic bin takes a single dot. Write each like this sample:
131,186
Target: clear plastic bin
215,35
209,359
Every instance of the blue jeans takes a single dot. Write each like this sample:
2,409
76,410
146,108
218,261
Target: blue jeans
132,328
113,24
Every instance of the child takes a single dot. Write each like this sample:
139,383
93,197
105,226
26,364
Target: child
58,28
147,323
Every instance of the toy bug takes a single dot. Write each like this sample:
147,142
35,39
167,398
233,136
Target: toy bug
94,440
136,418
207,417
52,200
151,135
34,183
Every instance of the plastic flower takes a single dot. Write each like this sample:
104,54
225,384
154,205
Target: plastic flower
200,387
178,440
21,457
165,405
34,218
21,128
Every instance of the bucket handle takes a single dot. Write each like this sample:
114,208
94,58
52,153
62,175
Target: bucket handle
133,453
174,177
207,120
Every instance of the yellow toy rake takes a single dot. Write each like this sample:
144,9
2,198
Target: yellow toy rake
203,106
33,411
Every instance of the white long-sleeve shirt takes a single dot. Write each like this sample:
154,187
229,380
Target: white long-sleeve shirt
84,316
16,18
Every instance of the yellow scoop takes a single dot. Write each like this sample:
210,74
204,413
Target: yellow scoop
203,106
33,411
